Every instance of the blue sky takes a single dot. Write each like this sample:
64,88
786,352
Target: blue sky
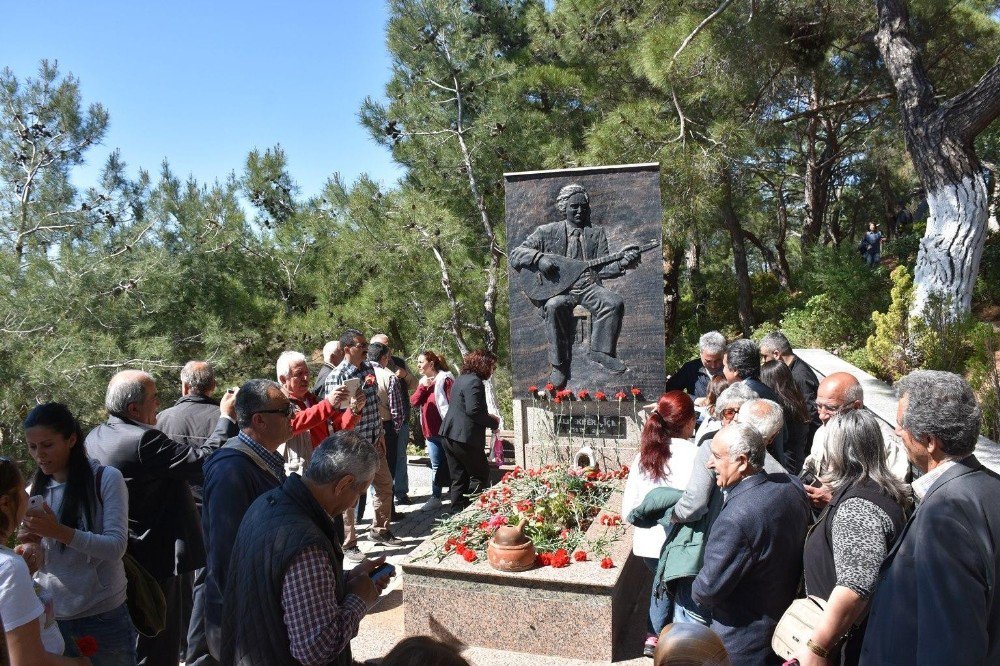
203,83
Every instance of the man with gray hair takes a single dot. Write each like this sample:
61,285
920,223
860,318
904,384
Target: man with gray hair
753,556
694,376
776,347
288,598
943,570
333,354
741,363
164,528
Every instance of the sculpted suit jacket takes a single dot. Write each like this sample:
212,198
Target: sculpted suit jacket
553,238
467,418
937,602
753,561
163,524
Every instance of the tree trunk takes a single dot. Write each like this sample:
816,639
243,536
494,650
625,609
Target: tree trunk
939,139
744,297
692,261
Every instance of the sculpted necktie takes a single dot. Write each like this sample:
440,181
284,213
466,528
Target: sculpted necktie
575,249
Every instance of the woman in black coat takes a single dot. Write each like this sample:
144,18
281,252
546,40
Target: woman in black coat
464,428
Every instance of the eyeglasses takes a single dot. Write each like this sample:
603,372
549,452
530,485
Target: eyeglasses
288,410
832,409
729,412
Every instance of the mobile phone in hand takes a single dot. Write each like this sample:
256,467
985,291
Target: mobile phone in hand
382,572
36,505
809,479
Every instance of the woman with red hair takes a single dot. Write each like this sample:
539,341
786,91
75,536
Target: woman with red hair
666,458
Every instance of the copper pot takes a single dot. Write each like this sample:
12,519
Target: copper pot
510,550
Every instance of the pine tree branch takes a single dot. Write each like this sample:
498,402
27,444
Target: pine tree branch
701,26
858,101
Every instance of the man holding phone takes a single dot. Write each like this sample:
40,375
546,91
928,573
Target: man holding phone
288,597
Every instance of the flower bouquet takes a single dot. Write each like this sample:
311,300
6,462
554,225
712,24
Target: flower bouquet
558,505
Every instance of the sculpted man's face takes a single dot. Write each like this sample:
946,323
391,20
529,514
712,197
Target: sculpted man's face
577,209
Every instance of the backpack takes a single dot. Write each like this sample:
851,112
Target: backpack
146,604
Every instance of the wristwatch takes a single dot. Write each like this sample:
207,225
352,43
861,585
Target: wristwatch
817,649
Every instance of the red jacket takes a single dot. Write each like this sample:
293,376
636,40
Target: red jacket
430,417
321,418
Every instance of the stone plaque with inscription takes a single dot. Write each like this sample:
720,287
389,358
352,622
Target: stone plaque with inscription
586,279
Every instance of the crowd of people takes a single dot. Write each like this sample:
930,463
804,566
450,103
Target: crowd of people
226,530
789,489
222,530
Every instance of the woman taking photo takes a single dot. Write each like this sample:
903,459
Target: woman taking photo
83,530
666,458
845,548
464,428
777,377
432,396
33,638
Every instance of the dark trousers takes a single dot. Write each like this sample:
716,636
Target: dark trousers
470,471
391,445
197,642
163,649
606,310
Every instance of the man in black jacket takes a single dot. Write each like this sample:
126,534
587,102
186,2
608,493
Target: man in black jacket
741,363
776,347
164,528
753,556
193,420
937,600
694,376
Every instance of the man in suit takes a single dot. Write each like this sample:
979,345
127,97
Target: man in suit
753,558
575,238
464,428
164,528
937,602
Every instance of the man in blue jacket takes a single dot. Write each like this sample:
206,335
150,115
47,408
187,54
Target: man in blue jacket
753,558
937,602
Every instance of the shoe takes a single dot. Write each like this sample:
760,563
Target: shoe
609,362
403,499
354,554
558,376
649,649
385,538
396,515
433,504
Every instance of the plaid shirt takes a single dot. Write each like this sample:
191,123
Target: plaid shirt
370,425
274,461
319,628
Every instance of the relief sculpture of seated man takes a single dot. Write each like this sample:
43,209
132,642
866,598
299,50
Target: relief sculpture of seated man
574,238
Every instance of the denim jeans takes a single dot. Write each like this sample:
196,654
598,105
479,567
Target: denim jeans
685,609
660,610
113,631
435,449
401,482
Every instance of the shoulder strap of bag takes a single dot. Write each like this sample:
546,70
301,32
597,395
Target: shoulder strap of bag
254,457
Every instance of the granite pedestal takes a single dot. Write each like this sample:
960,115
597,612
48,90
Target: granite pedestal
537,443
581,611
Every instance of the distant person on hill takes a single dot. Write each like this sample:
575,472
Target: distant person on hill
871,245
693,376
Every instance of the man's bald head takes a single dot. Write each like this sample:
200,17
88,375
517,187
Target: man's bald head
132,395
837,392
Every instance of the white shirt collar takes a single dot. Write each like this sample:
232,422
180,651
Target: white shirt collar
924,483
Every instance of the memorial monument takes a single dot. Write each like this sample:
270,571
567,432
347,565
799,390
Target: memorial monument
586,308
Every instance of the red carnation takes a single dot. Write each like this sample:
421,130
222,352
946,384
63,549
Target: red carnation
557,399
550,387
621,395
583,395
87,646
636,391
560,559
580,556
370,380
469,555
532,389
607,563
600,395
543,559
